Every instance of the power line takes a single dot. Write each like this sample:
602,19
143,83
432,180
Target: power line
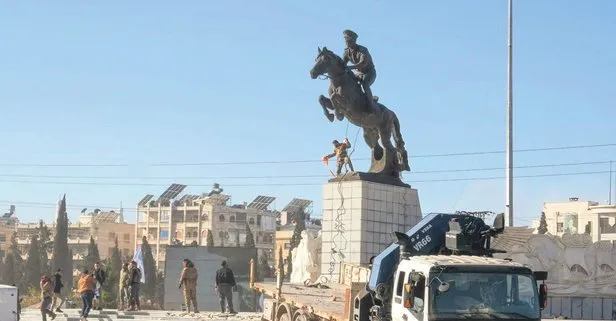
303,184
458,170
311,160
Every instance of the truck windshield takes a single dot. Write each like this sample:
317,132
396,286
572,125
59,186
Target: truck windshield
483,295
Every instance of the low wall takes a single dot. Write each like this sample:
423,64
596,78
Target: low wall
581,308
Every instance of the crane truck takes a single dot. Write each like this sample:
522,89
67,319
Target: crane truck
442,269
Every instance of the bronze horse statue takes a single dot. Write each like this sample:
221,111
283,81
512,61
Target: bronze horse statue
346,99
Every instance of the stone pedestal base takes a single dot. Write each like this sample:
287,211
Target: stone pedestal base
358,218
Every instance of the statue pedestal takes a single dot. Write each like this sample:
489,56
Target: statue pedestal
358,218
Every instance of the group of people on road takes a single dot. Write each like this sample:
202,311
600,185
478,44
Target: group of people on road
90,288
225,285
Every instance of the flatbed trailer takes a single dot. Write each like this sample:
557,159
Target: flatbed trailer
298,302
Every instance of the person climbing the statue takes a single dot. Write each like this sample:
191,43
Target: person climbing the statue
363,65
342,157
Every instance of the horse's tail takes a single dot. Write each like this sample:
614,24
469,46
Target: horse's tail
403,156
396,132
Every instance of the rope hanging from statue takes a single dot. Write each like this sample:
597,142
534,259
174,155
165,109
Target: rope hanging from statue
337,251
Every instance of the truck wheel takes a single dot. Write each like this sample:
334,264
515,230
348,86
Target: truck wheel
284,312
300,315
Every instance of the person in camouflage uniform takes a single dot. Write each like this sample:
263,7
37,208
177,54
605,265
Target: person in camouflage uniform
342,157
124,294
188,282
363,65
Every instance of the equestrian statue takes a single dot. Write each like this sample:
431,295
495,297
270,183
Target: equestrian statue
360,107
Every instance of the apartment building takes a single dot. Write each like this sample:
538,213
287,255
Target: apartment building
7,226
103,226
577,216
173,219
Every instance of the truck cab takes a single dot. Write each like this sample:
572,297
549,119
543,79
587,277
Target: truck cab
464,287
443,269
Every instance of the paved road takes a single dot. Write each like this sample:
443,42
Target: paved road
110,315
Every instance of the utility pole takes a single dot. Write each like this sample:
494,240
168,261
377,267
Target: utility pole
610,199
509,152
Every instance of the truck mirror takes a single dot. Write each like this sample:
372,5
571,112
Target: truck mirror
499,222
543,296
409,295
540,275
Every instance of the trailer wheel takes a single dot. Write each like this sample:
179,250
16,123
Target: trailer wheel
301,315
284,312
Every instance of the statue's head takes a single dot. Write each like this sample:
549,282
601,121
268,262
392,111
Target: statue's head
326,62
336,143
350,37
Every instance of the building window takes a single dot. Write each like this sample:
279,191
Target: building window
164,216
559,227
126,238
164,235
221,218
251,221
112,235
232,219
2,237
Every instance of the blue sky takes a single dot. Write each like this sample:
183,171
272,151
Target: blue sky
134,85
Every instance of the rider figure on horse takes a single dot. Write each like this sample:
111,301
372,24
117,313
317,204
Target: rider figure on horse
363,65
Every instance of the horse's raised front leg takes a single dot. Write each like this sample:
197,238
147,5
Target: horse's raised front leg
326,103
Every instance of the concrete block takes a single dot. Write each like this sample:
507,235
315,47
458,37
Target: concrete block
365,213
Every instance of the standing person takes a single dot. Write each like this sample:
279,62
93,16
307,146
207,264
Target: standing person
46,296
342,156
124,287
100,277
57,291
85,287
225,285
135,286
188,282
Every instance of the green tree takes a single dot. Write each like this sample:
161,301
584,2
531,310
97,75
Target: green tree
266,271
210,239
250,238
62,257
280,267
116,257
160,290
10,273
543,224
149,269
93,256
17,266
33,263
111,285
45,246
